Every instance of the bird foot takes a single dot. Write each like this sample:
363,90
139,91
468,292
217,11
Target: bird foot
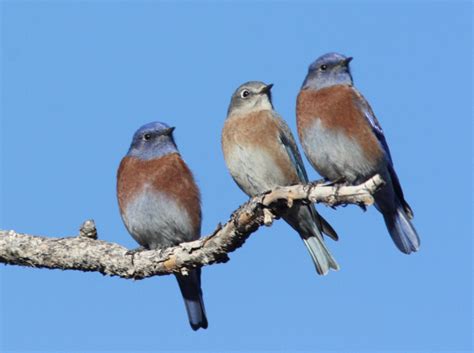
319,182
133,252
336,182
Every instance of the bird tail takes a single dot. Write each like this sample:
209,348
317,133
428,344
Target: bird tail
320,254
327,228
402,231
310,225
190,287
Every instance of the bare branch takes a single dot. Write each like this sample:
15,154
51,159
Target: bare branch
85,253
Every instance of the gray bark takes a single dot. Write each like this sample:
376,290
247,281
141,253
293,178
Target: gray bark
86,253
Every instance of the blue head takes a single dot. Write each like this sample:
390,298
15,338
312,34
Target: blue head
152,140
328,70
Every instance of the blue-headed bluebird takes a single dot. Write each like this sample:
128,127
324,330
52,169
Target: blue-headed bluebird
261,154
344,141
160,204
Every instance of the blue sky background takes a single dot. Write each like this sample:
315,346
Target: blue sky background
78,78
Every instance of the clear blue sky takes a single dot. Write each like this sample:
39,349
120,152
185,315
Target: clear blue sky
78,78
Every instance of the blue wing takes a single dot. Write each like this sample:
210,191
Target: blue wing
374,123
288,141
378,131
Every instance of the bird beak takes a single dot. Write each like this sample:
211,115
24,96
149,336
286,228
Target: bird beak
266,89
170,130
346,61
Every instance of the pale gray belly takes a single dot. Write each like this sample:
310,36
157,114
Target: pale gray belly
156,221
255,171
336,156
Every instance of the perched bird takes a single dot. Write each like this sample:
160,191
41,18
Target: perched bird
344,141
261,153
160,204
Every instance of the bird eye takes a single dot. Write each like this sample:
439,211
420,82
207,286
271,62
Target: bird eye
323,67
146,137
245,93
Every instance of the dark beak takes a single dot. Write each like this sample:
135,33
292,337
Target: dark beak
266,89
169,130
346,61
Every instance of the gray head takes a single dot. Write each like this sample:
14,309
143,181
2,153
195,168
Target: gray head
328,70
250,97
152,140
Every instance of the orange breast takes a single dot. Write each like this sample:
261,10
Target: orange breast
337,109
259,130
168,174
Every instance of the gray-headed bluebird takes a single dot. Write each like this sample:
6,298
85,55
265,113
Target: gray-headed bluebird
160,204
344,141
261,153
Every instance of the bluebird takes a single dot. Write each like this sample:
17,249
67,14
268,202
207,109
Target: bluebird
160,204
261,154
344,141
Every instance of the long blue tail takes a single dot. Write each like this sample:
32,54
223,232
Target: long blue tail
402,231
190,287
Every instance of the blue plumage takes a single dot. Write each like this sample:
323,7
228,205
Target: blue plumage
344,141
261,154
160,204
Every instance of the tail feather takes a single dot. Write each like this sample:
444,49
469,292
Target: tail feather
320,254
328,229
190,287
402,231
322,224
310,225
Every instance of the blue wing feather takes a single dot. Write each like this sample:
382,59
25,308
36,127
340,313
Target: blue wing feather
374,123
378,131
295,159
289,143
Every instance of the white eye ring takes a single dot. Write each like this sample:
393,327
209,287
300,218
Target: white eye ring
245,93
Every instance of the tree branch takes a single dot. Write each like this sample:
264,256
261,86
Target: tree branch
85,253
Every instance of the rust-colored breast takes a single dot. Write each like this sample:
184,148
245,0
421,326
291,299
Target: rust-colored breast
168,174
337,109
259,130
